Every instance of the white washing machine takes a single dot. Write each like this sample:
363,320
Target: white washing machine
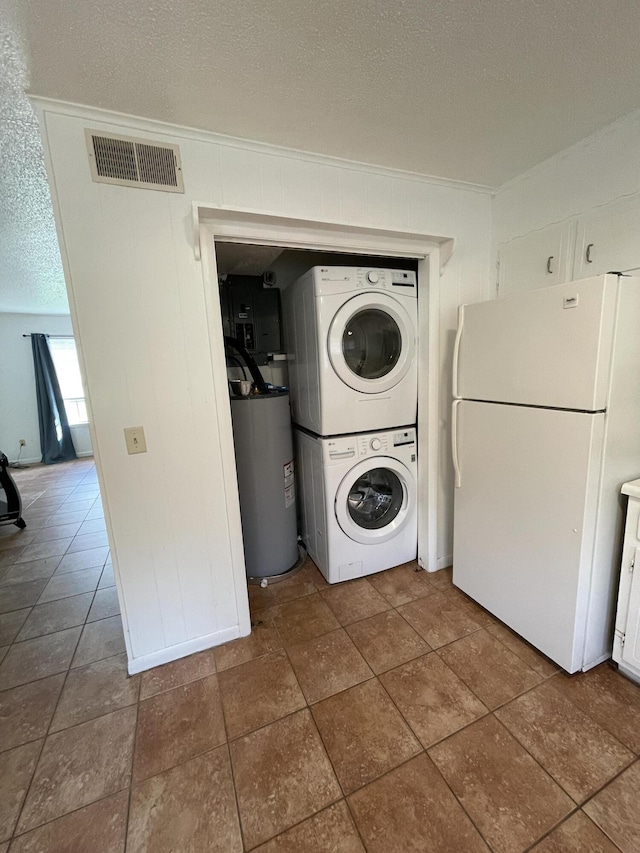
358,501
351,342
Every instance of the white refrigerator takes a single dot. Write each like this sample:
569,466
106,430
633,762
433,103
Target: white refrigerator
545,429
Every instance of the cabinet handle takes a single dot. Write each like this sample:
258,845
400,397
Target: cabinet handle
549,259
588,253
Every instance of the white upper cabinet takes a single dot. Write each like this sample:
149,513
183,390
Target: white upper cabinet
539,259
608,239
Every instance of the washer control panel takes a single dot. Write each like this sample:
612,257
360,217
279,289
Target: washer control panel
368,444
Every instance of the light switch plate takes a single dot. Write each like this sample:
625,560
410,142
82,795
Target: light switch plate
136,443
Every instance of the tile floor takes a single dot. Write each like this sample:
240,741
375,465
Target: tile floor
388,715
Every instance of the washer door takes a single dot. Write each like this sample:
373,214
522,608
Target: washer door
373,500
371,342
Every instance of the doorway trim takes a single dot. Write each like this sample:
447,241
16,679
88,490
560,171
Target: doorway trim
233,225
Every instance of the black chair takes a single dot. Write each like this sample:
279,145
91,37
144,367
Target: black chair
10,501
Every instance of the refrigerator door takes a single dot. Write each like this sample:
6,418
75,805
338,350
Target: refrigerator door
524,519
549,347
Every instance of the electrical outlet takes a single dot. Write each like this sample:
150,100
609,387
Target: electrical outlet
134,437
22,442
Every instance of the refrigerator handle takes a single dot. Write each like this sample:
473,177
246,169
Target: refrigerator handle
454,443
456,351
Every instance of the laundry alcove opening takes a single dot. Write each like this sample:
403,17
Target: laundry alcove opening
255,285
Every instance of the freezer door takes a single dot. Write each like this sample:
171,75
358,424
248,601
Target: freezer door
525,517
548,347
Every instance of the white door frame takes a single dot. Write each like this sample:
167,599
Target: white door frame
252,227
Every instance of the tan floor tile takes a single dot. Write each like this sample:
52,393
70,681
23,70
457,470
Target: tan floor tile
23,572
177,725
38,658
3,652
525,652
105,604
16,769
442,579
20,595
364,734
178,672
107,578
80,765
402,584
579,754
40,550
509,797
329,831
92,558
482,616
191,807
61,517
8,556
259,692
89,540
99,640
298,586
438,619
92,525
93,690
328,664
76,506
56,616
354,600
99,828
73,583
610,698
411,810
264,638
386,640
615,810
576,835
278,787
488,668
58,531
26,711
432,698
11,537
10,624
303,618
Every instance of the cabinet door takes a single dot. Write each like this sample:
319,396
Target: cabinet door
631,648
608,239
539,259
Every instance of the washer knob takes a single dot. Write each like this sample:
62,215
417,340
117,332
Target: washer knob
372,277
375,444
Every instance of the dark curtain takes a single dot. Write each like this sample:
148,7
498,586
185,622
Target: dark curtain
55,435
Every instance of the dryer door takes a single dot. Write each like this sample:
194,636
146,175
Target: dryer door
373,500
371,342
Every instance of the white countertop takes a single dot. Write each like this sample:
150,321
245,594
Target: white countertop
632,489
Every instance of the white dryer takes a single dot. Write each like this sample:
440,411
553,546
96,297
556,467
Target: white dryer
351,342
358,501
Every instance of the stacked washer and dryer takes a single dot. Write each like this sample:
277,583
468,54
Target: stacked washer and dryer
352,352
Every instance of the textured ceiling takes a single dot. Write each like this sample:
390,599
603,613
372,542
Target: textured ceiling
475,91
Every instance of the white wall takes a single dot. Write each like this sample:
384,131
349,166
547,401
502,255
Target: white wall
599,169
139,308
18,406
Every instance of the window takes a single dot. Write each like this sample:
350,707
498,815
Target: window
65,360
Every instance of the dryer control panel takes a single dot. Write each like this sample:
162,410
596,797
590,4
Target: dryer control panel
360,446
386,279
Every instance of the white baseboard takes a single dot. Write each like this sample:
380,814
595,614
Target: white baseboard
82,453
444,562
172,653
36,460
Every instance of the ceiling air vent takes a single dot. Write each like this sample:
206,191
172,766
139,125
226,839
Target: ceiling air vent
134,162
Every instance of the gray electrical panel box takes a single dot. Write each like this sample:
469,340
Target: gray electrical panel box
251,313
